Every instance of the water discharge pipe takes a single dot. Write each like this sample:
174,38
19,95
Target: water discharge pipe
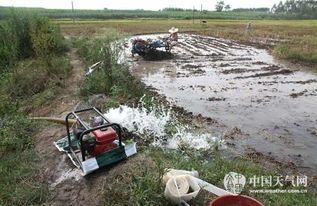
212,188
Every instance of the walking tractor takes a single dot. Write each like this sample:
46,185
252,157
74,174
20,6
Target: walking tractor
93,145
148,48
155,49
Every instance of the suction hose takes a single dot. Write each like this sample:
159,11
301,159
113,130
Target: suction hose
56,120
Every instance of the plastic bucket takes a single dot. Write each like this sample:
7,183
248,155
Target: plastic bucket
235,200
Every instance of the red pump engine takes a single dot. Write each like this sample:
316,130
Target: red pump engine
104,140
95,138
97,141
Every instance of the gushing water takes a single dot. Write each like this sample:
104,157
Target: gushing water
160,123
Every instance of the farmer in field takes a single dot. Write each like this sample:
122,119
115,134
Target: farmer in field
173,38
249,26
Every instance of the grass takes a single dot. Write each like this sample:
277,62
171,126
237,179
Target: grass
33,76
113,78
142,184
163,14
262,33
49,80
19,181
20,84
298,50
20,184
135,26
140,13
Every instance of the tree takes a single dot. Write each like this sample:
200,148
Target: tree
297,8
273,10
280,8
227,7
220,5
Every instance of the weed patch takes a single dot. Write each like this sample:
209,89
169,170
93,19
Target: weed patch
30,69
299,49
18,171
34,76
19,181
7,49
113,77
25,35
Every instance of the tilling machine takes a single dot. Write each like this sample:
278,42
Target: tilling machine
93,145
152,49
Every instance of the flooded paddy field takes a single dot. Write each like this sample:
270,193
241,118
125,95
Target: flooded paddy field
271,107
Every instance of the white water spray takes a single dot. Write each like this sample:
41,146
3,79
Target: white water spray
153,123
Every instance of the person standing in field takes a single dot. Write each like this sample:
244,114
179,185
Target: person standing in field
173,34
173,38
249,26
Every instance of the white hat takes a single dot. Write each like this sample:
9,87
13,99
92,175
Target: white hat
173,30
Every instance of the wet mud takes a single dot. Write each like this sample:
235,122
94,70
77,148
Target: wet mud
271,107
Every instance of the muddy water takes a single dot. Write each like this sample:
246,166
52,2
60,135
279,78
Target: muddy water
241,86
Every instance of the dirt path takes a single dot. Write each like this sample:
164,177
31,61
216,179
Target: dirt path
68,99
66,185
64,181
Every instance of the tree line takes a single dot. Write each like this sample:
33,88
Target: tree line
262,9
291,9
296,8
301,9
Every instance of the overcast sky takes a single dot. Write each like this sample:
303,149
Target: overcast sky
136,4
